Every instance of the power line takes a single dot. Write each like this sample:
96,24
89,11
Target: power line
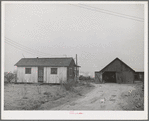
27,48
113,12
108,13
24,49
20,48
90,8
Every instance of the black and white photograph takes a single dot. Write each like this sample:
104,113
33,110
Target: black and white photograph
74,60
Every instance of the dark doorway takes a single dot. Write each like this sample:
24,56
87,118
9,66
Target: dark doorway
40,74
109,77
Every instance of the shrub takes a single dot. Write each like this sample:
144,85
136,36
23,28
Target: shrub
9,77
68,85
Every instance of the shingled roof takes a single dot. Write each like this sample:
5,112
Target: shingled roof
50,62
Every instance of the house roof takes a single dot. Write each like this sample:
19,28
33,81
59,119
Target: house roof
115,60
50,62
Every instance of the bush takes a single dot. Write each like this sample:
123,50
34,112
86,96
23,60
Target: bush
9,77
68,85
84,77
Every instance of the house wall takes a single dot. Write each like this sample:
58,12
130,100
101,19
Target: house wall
55,78
48,77
71,76
22,77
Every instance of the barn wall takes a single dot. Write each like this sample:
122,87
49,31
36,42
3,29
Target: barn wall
98,77
123,73
125,77
55,78
117,66
119,77
22,77
128,76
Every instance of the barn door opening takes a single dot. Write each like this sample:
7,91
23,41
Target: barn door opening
40,74
109,77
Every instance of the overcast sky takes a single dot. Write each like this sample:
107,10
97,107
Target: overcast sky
95,35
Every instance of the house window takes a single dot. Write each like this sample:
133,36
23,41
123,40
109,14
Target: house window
53,70
27,70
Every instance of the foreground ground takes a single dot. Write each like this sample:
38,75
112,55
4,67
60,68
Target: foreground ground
109,97
33,96
84,97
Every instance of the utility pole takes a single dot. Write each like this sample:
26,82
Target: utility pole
76,68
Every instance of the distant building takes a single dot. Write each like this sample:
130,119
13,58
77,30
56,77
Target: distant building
85,74
45,70
139,76
116,72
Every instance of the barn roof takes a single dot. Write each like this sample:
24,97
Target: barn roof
50,62
115,60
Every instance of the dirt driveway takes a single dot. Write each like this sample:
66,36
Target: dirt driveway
103,97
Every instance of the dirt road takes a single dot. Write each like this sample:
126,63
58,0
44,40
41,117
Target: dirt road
103,97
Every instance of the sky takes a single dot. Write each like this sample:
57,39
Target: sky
97,33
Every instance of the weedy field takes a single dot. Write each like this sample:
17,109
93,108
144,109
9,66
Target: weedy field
134,99
74,96
33,96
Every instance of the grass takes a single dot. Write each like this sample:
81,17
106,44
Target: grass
32,96
28,96
134,99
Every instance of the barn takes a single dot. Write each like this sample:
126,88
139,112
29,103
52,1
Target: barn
115,72
45,70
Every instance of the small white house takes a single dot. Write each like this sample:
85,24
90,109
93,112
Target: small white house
45,70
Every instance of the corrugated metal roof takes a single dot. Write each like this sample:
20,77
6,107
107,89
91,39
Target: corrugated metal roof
51,62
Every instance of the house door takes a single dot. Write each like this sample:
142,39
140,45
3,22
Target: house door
40,74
